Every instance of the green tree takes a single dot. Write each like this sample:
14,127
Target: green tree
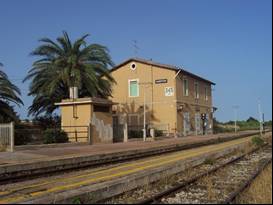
252,119
63,64
9,94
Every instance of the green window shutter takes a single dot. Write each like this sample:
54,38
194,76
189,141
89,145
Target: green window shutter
133,88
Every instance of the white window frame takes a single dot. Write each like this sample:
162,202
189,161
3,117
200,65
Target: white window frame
185,92
131,66
129,90
196,90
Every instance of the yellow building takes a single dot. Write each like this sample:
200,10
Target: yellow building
87,119
174,98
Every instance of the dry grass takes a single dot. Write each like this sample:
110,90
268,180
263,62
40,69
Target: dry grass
260,191
207,181
268,138
147,185
249,146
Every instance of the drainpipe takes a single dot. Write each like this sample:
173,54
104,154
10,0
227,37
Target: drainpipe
144,117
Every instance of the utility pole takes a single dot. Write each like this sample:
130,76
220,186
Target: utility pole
146,84
144,117
263,125
235,107
261,117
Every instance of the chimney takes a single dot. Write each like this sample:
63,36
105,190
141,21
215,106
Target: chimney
73,92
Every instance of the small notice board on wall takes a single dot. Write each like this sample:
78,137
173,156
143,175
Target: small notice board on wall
160,81
169,91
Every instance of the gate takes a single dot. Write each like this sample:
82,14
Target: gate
198,129
7,136
186,122
118,132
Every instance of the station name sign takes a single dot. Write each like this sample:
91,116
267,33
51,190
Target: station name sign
159,81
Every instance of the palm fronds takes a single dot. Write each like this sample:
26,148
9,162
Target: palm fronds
63,64
9,94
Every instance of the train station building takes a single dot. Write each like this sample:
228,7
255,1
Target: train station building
174,100
165,99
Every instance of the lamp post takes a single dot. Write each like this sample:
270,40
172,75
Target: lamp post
144,109
261,117
144,117
235,107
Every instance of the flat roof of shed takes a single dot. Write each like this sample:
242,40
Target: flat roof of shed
93,100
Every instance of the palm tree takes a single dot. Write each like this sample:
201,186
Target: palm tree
9,93
63,64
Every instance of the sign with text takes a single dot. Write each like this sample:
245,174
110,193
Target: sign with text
159,81
169,91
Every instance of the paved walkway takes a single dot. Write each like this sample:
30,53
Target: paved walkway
38,153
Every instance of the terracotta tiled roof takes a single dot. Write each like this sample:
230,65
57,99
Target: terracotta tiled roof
166,66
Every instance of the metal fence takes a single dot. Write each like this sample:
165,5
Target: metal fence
7,136
136,131
161,129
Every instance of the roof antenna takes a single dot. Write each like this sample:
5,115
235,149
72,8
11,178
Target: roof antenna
135,47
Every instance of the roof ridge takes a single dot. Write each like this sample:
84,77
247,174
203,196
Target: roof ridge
155,62
167,66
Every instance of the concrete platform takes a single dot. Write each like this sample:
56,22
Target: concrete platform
31,160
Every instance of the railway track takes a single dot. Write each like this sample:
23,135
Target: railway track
86,183
8,177
221,184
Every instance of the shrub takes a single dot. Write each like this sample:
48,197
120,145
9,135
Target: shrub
48,121
220,129
21,138
139,133
54,136
77,200
209,161
135,134
158,133
258,141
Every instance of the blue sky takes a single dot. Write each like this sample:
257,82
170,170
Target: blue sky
226,41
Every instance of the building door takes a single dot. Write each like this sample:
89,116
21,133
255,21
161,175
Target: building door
208,125
186,123
197,123
117,130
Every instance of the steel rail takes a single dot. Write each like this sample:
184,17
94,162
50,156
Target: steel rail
176,188
245,185
149,153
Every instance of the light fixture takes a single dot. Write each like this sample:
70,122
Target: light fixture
180,108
